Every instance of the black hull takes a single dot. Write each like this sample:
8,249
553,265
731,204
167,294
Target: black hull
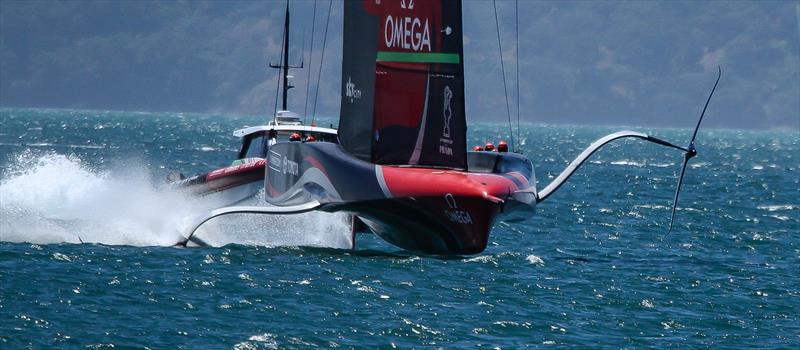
412,225
425,210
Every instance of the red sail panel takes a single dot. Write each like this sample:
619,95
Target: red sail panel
400,94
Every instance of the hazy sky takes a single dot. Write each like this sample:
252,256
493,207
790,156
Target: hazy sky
635,63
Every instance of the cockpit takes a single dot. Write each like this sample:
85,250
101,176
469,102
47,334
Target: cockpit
286,118
256,140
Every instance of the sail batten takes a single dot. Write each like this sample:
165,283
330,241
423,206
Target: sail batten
403,85
419,57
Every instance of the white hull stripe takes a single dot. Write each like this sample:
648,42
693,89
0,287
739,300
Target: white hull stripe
382,182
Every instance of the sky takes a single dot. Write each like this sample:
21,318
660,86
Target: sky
636,63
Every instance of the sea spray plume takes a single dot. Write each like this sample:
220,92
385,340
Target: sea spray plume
48,198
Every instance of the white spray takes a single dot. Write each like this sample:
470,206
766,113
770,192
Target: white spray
53,198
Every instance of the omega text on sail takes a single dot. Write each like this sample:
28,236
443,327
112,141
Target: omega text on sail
407,33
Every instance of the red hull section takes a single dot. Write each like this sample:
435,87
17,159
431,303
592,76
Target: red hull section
224,178
437,211
413,182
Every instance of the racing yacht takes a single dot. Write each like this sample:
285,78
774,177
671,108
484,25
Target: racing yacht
400,164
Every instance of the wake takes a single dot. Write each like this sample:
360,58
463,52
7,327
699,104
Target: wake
53,198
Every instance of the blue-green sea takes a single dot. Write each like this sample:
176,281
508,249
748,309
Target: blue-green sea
593,268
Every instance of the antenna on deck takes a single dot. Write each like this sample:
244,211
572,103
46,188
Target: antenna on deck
321,60
516,67
503,70
310,62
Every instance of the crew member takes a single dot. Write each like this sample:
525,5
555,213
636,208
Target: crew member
477,148
489,147
294,137
502,146
311,138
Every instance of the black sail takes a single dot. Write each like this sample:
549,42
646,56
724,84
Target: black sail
403,83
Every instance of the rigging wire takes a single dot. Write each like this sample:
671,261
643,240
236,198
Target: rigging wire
310,63
322,59
503,70
516,33
278,85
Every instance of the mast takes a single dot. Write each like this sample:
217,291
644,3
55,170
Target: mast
284,65
285,62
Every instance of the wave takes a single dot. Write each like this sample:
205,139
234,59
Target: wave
627,162
778,207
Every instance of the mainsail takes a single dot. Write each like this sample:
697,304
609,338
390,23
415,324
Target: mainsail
403,83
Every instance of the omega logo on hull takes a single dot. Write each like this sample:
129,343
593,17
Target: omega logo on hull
454,214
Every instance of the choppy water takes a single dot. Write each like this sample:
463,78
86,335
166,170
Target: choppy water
593,268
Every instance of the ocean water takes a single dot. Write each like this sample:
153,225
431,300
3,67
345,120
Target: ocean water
593,268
